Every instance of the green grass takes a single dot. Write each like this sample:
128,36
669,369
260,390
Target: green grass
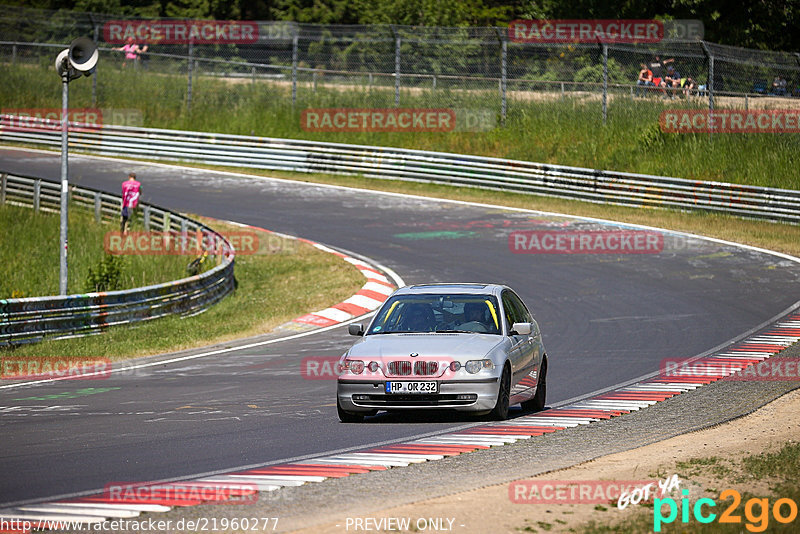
565,131
273,289
29,252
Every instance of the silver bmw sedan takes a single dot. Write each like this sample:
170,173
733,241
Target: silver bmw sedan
467,347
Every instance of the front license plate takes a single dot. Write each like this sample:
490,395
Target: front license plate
412,387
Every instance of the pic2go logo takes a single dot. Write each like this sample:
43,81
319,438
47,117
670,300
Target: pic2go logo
757,520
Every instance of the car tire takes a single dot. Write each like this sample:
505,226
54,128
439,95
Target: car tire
537,403
500,410
348,417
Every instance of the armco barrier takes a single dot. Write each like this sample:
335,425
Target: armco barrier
30,319
402,164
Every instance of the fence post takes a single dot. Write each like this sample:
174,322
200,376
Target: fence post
434,82
504,81
146,212
605,82
94,72
189,81
314,80
710,84
13,54
37,190
253,75
294,70
3,180
397,73
184,230
98,214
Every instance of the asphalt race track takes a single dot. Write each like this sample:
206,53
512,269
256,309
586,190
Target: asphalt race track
606,318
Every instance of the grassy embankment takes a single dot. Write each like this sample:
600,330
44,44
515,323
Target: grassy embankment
565,131
283,281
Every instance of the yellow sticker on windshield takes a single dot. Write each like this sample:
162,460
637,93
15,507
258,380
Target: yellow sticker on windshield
389,313
494,315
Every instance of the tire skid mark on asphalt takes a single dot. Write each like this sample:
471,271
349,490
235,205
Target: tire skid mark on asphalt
606,405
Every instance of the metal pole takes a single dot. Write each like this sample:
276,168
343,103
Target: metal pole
94,73
37,191
710,84
503,82
146,211
3,178
189,82
62,279
605,82
294,70
14,54
397,73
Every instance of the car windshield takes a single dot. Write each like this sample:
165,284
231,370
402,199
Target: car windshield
438,313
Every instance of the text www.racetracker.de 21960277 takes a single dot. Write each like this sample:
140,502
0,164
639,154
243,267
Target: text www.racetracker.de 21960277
200,524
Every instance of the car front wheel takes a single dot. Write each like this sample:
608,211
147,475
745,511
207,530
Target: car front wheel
348,417
500,411
537,403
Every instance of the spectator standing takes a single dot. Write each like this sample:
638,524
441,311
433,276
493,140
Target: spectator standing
143,57
131,189
657,67
131,50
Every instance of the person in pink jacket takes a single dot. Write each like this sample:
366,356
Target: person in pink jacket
131,189
131,50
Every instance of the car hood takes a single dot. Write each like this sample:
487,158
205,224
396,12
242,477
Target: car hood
460,347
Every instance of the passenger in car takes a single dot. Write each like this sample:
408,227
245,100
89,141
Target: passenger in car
474,317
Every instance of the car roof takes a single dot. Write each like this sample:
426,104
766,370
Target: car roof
451,289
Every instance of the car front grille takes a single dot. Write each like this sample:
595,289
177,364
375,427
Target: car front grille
420,368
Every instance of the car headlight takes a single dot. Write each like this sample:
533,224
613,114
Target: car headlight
354,366
474,366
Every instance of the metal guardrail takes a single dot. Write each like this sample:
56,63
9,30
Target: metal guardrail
593,185
27,320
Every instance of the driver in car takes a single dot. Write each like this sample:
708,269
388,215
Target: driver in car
419,318
474,317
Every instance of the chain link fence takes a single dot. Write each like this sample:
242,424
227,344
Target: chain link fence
475,68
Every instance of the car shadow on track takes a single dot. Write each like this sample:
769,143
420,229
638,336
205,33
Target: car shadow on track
437,416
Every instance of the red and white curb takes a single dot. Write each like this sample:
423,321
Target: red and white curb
369,298
738,356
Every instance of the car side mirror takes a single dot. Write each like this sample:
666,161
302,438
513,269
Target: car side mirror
355,329
522,329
